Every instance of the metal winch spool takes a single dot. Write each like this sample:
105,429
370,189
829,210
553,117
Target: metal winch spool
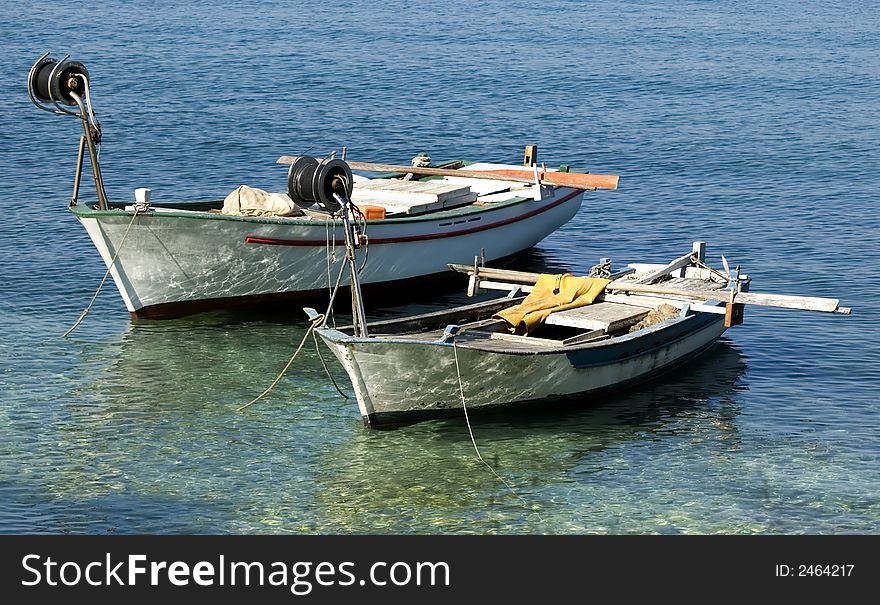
53,80
311,181
61,86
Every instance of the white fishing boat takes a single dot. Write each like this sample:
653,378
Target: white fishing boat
642,321
253,246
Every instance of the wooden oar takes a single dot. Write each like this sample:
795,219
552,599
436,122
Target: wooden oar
806,303
519,277
783,301
563,179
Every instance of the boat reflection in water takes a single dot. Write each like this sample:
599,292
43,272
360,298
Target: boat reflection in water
564,461
156,444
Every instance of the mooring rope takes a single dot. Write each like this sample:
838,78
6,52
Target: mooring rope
326,369
315,322
471,432
101,285
330,253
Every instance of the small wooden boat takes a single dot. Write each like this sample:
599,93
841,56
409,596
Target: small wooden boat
648,319
171,259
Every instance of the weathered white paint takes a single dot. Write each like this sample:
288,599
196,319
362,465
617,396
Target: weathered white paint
395,375
192,257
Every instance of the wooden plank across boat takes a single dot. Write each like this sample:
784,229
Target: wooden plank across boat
604,316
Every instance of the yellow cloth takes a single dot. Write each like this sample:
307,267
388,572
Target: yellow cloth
552,293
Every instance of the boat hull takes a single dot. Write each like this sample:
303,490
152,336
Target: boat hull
397,382
171,263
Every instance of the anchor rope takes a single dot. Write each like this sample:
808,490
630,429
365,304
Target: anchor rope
315,322
327,254
326,369
329,312
330,252
286,367
104,279
471,432
332,290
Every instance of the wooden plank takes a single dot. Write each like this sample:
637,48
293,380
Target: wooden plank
430,191
510,276
503,286
412,197
563,179
783,301
605,316
656,301
590,336
547,342
733,315
519,277
678,263
483,324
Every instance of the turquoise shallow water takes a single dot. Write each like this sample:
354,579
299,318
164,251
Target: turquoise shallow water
750,125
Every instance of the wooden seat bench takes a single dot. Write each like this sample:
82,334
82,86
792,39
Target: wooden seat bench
605,316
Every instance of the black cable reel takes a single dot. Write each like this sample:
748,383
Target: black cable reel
311,181
53,80
61,86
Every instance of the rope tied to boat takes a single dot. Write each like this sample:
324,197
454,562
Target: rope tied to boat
470,430
602,269
317,320
423,160
326,369
104,279
330,254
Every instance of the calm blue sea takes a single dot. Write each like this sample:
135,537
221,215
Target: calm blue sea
751,125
